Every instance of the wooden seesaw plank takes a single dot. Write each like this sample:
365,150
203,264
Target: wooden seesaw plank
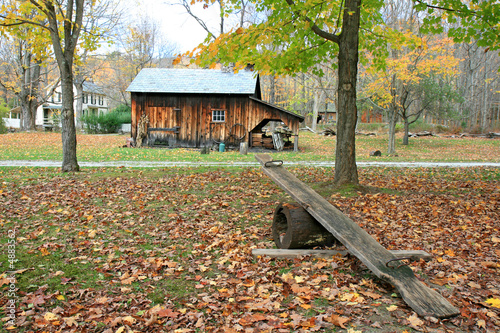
422,299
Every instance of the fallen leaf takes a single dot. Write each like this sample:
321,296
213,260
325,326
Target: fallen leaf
49,316
392,308
337,320
370,294
474,285
129,320
489,264
169,313
415,322
494,302
71,321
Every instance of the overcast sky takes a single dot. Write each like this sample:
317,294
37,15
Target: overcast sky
176,25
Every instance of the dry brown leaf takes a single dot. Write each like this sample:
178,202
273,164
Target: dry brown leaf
337,320
415,322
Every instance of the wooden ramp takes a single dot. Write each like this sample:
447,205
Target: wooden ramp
384,264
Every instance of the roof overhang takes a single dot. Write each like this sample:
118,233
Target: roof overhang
299,117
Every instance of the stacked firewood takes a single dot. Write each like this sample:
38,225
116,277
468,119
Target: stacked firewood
142,130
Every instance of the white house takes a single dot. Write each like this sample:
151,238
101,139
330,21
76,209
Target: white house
13,119
94,102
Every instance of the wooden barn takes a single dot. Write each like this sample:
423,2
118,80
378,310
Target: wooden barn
201,107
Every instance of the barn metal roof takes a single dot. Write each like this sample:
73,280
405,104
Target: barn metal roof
202,81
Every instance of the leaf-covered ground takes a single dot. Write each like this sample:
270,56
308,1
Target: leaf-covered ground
120,250
313,147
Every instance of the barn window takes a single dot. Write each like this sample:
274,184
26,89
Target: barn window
218,116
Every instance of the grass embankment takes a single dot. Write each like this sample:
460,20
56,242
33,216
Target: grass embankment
163,250
313,147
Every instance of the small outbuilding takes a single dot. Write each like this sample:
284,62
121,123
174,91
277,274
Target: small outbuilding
202,107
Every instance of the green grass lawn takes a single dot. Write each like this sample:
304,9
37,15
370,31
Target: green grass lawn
313,147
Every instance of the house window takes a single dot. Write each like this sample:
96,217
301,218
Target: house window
59,96
218,116
85,98
92,99
101,100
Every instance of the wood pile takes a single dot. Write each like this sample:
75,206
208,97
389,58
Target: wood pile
490,135
142,129
283,130
366,134
328,132
424,133
262,140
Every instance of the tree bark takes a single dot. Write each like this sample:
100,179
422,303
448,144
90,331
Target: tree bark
64,50
29,91
407,130
345,161
392,115
79,100
68,132
317,101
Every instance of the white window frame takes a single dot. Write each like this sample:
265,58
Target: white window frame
218,116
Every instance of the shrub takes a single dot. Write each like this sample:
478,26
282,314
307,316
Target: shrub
103,123
3,128
3,114
90,123
122,108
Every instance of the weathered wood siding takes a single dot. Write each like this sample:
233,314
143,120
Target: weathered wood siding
192,113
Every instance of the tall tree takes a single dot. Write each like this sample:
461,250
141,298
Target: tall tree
298,35
63,20
25,52
400,87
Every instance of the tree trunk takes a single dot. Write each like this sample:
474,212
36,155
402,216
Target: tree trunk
34,93
68,129
79,101
64,56
68,132
318,97
407,129
24,94
392,115
345,161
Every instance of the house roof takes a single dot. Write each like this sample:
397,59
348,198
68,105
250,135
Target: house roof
198,81
90,87
301,118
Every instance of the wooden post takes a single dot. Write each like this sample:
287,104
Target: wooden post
243,148
296,143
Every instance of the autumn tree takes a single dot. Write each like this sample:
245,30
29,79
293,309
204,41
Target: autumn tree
137,45
25,57
102,18
295,37
63,20
474,25
401,87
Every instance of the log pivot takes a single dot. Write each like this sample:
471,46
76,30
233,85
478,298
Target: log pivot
294,228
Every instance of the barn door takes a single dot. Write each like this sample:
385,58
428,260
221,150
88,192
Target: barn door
165,126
